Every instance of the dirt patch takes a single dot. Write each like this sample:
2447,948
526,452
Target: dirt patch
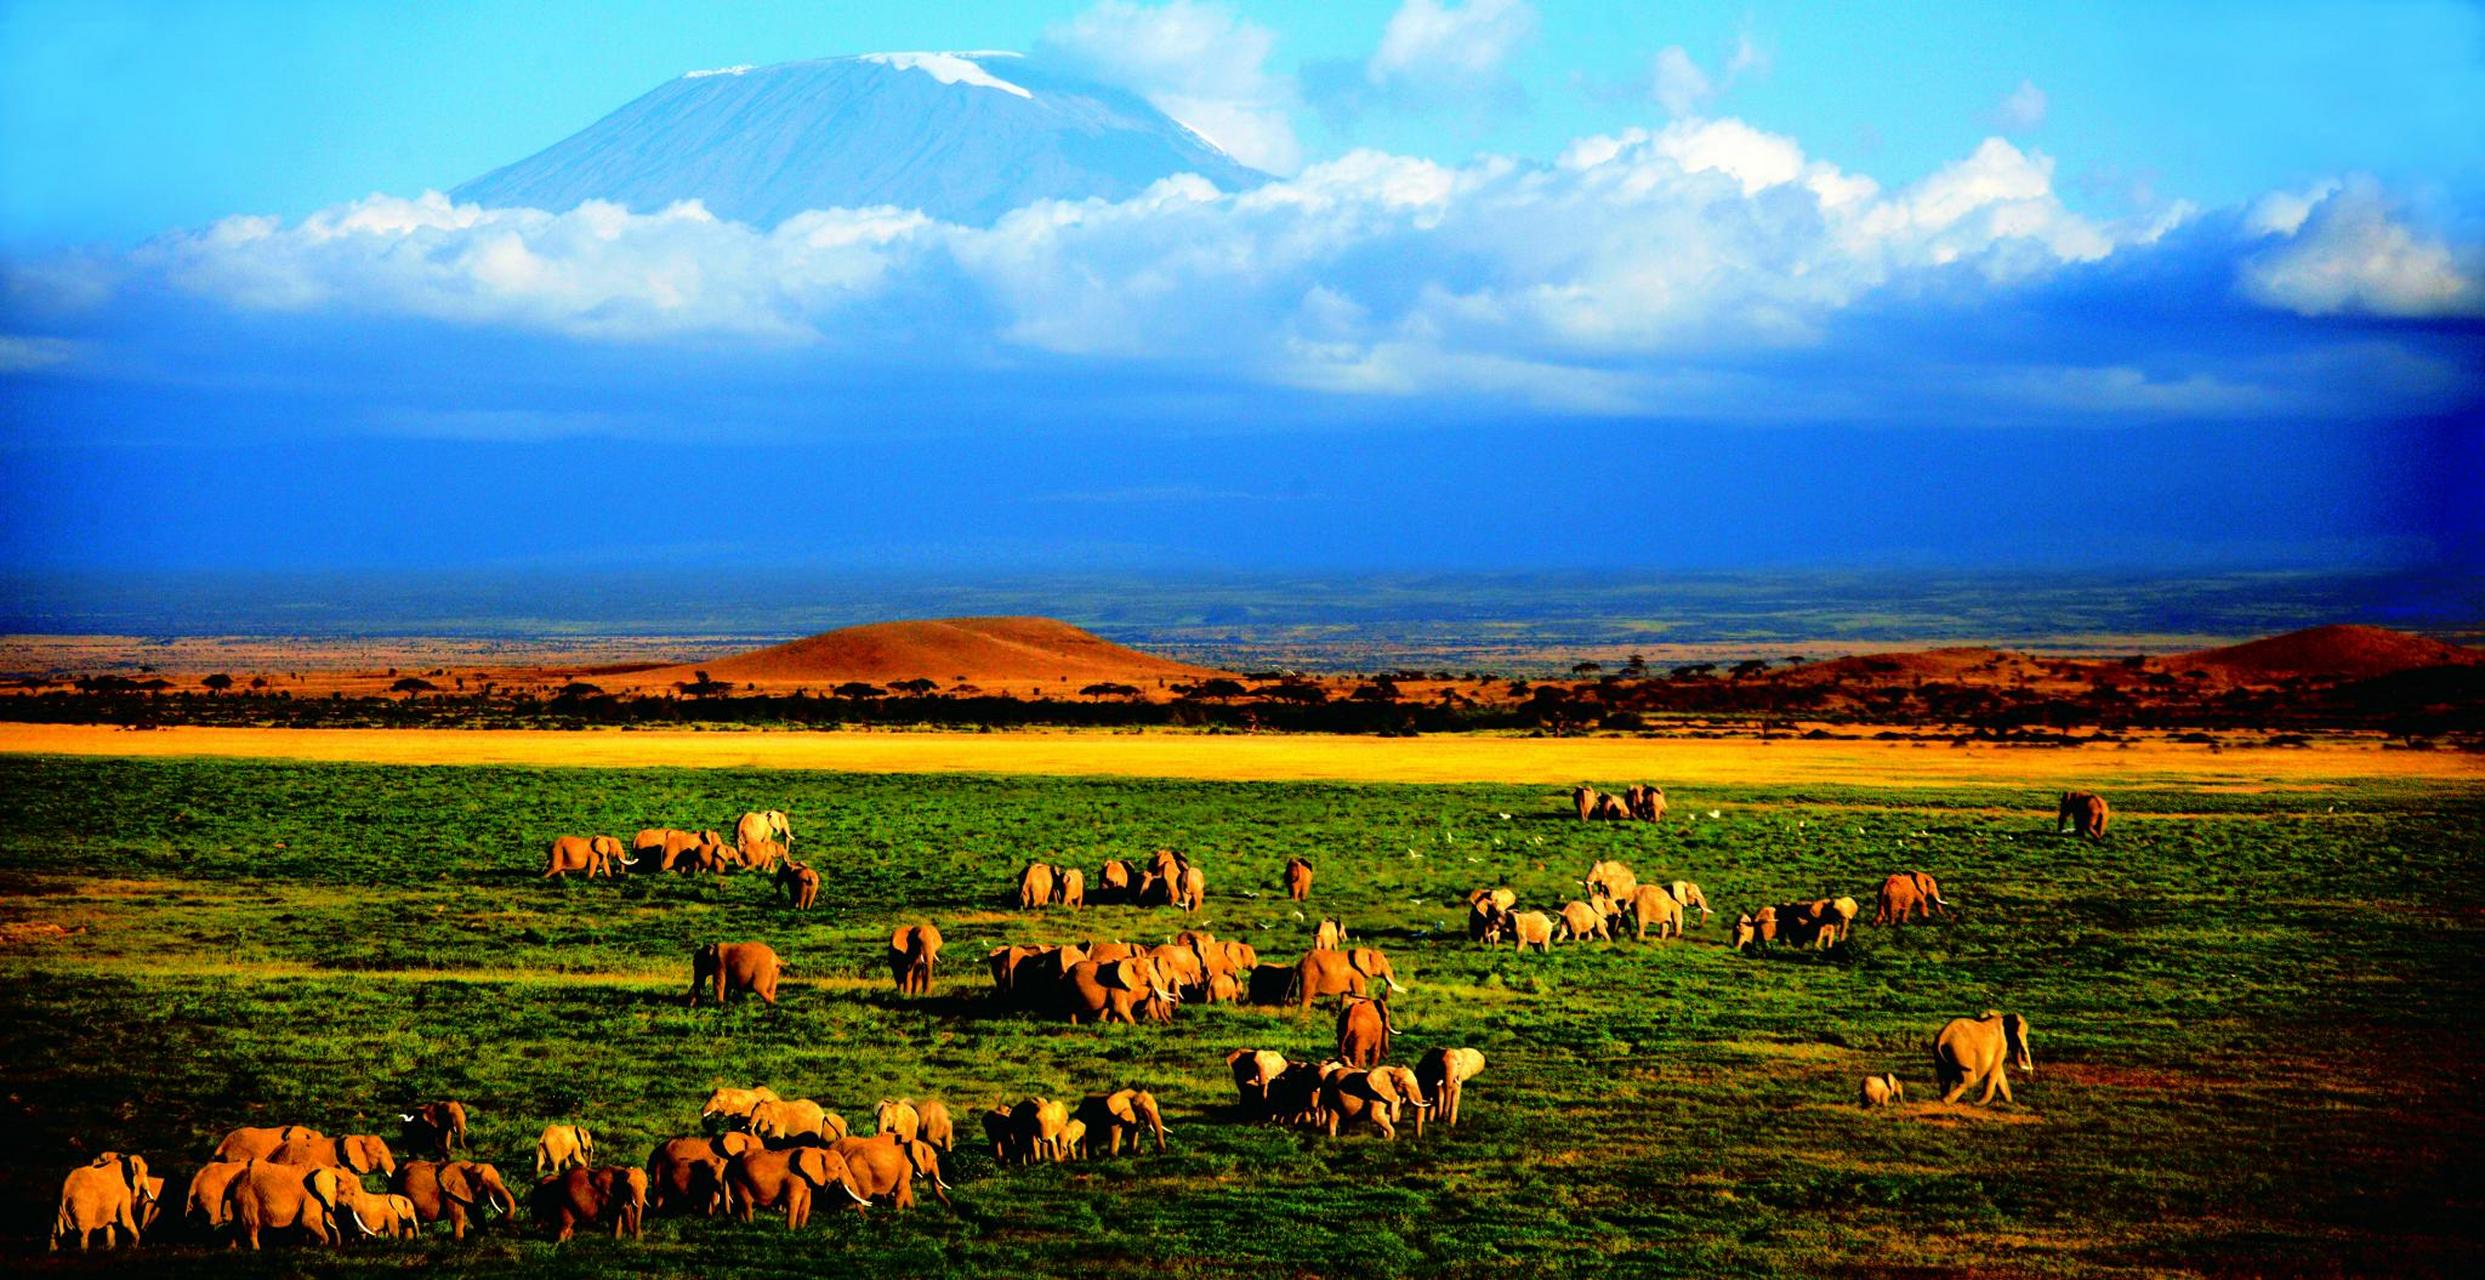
2102,1076
1954,1115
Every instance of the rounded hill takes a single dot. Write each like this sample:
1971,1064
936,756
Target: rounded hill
2341,652
980,651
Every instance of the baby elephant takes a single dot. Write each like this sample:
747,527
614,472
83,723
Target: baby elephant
1882,1091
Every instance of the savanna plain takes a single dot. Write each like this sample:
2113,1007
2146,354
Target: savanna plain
2251,1011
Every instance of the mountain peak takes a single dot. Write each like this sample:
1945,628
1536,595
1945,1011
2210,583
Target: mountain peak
943,132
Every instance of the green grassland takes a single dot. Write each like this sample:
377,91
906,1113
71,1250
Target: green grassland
2253,1017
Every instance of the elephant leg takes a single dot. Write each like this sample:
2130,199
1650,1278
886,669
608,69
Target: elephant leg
1957,1091
2001,1080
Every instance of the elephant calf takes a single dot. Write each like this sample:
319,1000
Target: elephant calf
592,1197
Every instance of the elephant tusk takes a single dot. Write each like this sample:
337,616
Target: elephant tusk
849,1190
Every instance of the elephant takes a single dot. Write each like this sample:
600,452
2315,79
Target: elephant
1500,899
1332,973
768,824
1179,967
1364,1030
1584,798
585,1196
456,1190
1972,1051
1114,881
710,859
1294,1094
1841,915
591,855
357,1153
1483,920
1107,952
113,1195
1609,809
883,1166
938,1132
796,1122
668,845
204,1206
2083,813
1074,1140
1298,880
1444,1074
269,1196
1190,887
1688,894
898,1118
1070,888
1255,1070
734,967
1329,936
1526,929
786,1180
1908,895
1755,929
1645,803
800,884
1102,991
433,1129
1882,1091
1410,1091
563,1146
1035,1129
1124,1113
1581,922
390,1217
687,1175
761,855
913,950
1035,886
1651,905
1001,1131
731,1108
1240,957
1613,879
1370,1096
257,1144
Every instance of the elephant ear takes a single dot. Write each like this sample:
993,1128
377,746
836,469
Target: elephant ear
1382,1086
897,940
1120,1105
734,1144
1129,975
455,1180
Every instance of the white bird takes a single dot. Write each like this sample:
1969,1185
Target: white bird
1503,816
1298,915
1472,858
1716,813
1249,894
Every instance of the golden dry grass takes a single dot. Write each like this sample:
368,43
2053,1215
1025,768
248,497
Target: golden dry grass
1279,757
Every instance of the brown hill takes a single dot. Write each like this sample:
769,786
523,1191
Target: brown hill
1963,664
2340,652
986,652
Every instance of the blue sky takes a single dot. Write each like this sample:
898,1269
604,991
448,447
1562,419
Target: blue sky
1621,285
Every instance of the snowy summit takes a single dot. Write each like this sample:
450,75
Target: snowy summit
964,137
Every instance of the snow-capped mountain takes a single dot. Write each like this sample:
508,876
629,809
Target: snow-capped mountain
964,137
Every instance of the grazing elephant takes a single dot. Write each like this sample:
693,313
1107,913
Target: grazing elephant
1035,886
1070,888
1840,917
267,1196
1613,879
433,1129
1333,973
359,1153
204,1206
734,967
1124,1113
1525,929
1002,1132
1410,1092
731,1108
1908,895
1645,803
1298,880
1103,991
687,1175
898,1118
1035,1129
563,1146
882,1166
796,1122
1074,1139
1500,899
258,1144
1688,894
1755,929
938,1132
457,1190
1584,798
786,1180
767,825
1652,905
1329,936
1484,920
1363,1031
1581,922
112,1195
799,883
1294,1095
913,950
1178,967
1609,809
1370,1096
668,845
1114,881
388,1217
760,855
1255,1070
589,855
1972,1051
1444,1074
2082,813
1882,1091
591,1197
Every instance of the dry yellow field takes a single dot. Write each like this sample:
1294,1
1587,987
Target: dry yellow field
1271,757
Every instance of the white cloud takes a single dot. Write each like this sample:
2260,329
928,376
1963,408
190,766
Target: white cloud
1438,43
1678,83
2020,110
1198,63
21,354
2341,252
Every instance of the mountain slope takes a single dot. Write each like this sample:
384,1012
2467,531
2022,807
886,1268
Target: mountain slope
2341,652
985,651
964,138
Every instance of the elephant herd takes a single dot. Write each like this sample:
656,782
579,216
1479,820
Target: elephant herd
1635,803
762,839
1616,899
1042,1130
1168,879
1354,1088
